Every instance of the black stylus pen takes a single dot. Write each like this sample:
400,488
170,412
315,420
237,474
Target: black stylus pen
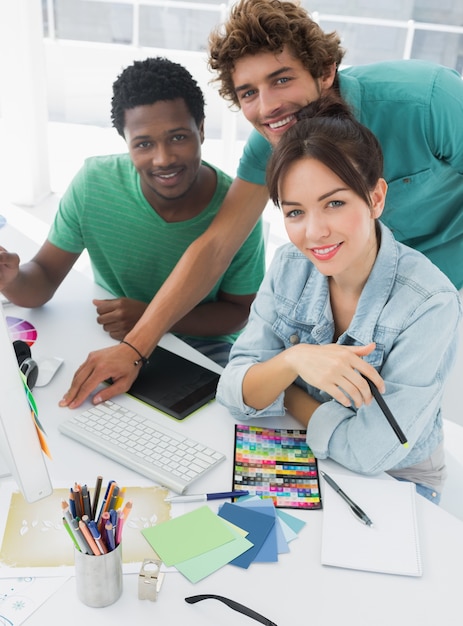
356,510
387,413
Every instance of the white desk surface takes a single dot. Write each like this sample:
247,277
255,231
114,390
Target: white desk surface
298,589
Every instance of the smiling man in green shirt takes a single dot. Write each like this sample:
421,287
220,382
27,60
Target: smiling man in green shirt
136,213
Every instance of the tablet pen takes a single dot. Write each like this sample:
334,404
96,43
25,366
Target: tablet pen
356,510
387,412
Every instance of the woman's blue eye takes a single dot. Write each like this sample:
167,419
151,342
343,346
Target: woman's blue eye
294,213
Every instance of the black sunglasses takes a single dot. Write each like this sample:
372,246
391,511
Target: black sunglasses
236,606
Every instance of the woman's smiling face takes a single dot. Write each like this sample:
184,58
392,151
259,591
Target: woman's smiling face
329,223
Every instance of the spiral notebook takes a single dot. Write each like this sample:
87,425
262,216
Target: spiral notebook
390,545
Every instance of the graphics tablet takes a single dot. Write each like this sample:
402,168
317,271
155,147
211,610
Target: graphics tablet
174,384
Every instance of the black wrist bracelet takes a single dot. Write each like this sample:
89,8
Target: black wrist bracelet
143,360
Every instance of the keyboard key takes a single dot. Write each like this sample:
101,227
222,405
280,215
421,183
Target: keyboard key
161,454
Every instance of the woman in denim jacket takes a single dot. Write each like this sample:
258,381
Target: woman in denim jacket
342,300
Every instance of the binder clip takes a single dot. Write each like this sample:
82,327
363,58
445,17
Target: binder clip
150,580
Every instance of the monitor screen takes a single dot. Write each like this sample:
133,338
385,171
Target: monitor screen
20,449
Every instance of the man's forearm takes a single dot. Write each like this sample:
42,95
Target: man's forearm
202,264
30,288
210,319
185,287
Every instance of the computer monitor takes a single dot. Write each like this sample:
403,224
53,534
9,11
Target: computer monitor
21,453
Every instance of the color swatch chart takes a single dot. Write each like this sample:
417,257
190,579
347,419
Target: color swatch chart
21,329
276,463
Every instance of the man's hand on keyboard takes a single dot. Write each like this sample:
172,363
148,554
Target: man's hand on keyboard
116,362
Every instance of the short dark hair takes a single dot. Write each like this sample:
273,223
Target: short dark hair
328,132
256,26
151,80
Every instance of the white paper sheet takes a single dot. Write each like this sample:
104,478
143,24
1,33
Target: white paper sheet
390,545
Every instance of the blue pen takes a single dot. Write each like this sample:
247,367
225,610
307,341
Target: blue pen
203,497
72,504
110,539
113,517
93,528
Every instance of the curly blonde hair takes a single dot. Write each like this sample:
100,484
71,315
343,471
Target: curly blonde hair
256,26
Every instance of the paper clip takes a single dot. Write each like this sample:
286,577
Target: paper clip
150,580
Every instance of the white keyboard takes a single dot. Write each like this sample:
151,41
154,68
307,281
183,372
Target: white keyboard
159,453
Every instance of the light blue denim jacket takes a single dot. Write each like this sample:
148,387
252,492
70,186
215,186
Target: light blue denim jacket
407,307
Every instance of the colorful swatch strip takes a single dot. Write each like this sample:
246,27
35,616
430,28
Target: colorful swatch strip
276,463
198,543
21,329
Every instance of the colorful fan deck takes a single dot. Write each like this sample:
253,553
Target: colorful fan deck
21,329
278,464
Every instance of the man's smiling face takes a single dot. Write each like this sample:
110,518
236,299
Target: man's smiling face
272,88
164,143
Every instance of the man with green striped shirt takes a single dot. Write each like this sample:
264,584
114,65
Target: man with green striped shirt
137,213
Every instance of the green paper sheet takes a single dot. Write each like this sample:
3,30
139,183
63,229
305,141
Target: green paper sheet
205,564
188,535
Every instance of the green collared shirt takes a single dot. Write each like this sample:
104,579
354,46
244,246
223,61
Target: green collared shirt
415,109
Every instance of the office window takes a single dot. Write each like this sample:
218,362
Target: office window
433,46
180,29
152,24
368,43
381,9
90,20
438,12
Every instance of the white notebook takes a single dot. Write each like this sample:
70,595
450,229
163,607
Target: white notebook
390,545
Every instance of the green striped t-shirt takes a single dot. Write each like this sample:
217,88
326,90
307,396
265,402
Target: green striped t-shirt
132,249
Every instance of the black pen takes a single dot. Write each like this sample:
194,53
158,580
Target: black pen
86,501
96,496
387,412
356,510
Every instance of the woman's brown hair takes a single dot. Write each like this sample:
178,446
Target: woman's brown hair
328,132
